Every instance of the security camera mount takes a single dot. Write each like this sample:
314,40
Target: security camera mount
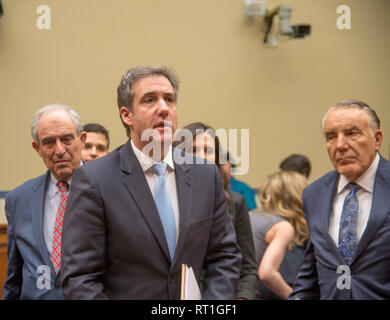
285,27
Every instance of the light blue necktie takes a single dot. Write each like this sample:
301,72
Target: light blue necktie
164,207
348,224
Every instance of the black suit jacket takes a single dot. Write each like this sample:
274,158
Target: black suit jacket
113,240
248,277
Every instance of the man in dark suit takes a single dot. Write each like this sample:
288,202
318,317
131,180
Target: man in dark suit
35,209
121,240
348,212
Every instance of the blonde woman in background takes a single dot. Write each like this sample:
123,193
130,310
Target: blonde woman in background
279,233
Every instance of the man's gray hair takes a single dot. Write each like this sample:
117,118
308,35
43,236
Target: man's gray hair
375,122
51,107
125,89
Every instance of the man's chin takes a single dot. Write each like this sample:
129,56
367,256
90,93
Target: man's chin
63,174
349,171
163,139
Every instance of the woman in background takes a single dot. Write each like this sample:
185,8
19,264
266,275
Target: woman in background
279,233
205,144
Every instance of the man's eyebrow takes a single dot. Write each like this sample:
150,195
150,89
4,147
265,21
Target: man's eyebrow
150,93
352,128
70,134
47,139
66,135
329,132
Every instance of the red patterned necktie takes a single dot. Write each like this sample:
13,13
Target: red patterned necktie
56,247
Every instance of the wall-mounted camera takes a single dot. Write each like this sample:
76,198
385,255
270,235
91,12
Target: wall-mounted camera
301,30
285,27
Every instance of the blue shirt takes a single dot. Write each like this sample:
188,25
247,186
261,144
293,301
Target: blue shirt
242,188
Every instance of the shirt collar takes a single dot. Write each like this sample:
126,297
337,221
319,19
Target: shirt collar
53,188
366,180
147,162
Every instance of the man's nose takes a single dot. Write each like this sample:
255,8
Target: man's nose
162,106
59,148
341,142
200,153
94,151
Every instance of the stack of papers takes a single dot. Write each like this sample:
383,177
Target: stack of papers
189,286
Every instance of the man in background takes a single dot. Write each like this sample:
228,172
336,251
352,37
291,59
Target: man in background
347,212
97,143
35,209
297,163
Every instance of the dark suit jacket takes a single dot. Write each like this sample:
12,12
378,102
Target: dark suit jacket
248,277
113,240
369,270
27,249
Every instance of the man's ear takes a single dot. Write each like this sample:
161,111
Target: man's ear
127,116
83,138
35,146
378,139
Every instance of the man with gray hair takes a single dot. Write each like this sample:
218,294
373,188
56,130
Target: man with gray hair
35,209
348,211
137,215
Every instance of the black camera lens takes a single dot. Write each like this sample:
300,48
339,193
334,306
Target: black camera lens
301,30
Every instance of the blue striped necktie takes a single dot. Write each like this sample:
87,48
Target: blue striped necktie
164,207
348,224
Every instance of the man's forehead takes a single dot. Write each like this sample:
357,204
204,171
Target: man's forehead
56,122
96,137
151,83
57,117
344,118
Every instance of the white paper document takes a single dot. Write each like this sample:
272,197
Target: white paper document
190,288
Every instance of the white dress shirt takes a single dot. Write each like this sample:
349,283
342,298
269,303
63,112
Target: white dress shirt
151,177
52,202
364,195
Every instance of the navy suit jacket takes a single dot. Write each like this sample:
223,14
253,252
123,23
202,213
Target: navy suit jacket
370,267
114,244
30,273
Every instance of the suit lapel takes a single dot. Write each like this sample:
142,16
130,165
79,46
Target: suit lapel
135,182
37,207
325,207
380,206
184,183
